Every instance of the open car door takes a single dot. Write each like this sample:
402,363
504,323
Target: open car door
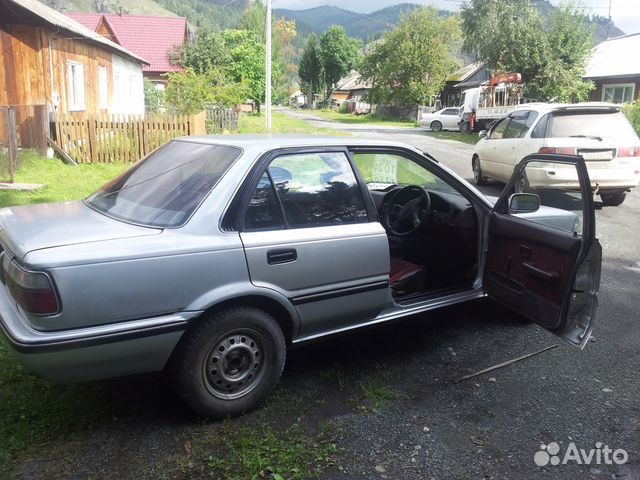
543,259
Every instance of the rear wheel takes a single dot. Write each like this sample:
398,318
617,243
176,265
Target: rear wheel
478,177
522,184
229,362
436,126
612,199
465,127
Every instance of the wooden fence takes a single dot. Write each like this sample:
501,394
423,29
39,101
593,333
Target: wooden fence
221,120
120,138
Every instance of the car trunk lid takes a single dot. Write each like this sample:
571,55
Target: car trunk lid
34,227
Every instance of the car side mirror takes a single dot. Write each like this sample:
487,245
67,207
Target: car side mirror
524,203
483,134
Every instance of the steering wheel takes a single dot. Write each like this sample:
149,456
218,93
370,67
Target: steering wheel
406,209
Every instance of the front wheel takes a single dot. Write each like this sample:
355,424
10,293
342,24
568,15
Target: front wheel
229,362
436,126
478,177
612,199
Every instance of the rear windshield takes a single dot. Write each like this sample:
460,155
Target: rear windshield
589,124
164,189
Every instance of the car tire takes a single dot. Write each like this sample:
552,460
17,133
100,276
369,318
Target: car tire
465,127
522,184
478,177
613,199
436,126
229,362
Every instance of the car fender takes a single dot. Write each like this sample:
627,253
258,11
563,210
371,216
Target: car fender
236,292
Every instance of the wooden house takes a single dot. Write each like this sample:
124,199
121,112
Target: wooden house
49,59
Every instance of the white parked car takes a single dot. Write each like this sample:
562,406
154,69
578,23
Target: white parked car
445,119
600,133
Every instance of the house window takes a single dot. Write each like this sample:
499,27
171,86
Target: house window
103,85
618,93
75,73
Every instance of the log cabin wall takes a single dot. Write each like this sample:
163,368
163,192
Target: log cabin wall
29,54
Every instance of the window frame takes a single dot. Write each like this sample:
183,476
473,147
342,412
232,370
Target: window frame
71,83
618,85
103,87
234,218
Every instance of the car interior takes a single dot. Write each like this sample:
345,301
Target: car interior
432,228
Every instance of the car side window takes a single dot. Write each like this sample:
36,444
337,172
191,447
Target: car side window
317,189
263,212
539,131
451,111
516,125
498,131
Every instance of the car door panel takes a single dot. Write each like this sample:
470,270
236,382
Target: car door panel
534,263
547,274
307,235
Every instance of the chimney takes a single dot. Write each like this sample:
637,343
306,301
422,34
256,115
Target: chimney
121,11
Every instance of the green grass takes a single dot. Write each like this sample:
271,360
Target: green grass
34,412
281,123
470,138
63,182
337,116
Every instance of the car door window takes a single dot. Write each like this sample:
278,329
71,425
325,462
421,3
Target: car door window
498,131
557,187
516,127
380,170
317,189
451,111
263,212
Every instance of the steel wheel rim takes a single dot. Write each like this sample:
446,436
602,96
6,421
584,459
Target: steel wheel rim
523,184
234,366
476,170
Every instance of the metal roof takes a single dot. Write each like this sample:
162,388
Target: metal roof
615,57
151,37
60,21
465,72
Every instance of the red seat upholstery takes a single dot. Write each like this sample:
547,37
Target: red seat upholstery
406,277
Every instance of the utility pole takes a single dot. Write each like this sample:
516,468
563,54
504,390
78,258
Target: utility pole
267,93
609,22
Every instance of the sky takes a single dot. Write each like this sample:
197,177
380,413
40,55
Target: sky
625,13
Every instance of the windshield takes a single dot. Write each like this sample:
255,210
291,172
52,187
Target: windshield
164,189
589,124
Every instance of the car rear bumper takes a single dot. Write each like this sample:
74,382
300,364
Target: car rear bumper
603,176
92,353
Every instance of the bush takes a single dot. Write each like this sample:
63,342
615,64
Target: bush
632,111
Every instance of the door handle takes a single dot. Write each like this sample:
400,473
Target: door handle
549,276
276,257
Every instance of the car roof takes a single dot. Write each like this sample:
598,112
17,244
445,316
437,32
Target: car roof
551,107
254,145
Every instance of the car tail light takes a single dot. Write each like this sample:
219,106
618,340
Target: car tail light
32,290
558,150
629,151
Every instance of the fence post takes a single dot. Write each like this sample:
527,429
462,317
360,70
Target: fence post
197,124
41,113
13,142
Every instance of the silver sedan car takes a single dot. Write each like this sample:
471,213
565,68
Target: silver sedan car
213,255
444,119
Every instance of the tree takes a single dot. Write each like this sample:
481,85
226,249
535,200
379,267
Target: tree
510,35
190,92
339,54
235,56
153,97
310,68
409,65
